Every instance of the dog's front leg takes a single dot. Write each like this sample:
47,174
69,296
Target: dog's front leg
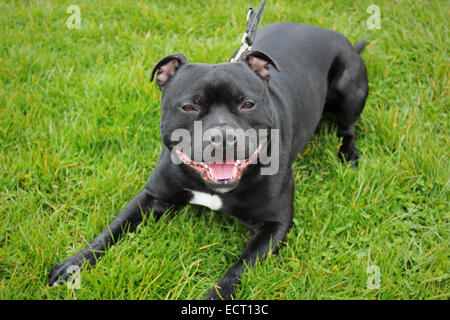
127,220
266,239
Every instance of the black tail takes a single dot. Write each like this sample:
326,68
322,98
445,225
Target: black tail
359,46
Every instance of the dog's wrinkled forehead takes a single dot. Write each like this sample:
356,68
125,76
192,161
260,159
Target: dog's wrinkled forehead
231,82
216,83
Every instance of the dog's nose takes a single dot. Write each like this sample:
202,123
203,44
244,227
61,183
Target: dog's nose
223,135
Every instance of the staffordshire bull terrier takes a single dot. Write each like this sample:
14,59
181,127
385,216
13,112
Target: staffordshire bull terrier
291,75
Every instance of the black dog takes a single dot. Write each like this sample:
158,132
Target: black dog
292,74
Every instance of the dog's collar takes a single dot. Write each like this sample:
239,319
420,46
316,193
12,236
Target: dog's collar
250,32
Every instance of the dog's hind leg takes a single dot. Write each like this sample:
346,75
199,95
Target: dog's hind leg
347,93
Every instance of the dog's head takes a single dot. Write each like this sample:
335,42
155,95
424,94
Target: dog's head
215,118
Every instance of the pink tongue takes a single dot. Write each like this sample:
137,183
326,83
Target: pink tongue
222,171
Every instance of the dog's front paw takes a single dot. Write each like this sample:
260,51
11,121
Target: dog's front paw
217,293
65,271
225,290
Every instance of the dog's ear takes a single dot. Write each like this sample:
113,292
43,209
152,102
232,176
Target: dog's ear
259,62
166,68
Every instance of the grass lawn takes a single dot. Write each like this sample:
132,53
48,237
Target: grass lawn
79,137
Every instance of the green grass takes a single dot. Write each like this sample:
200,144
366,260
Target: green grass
79,136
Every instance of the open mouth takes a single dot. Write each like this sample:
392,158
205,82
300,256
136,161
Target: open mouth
225,174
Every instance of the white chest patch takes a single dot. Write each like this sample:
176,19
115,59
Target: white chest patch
211,201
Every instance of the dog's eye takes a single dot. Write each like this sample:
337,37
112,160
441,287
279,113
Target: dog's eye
247,105
189,108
